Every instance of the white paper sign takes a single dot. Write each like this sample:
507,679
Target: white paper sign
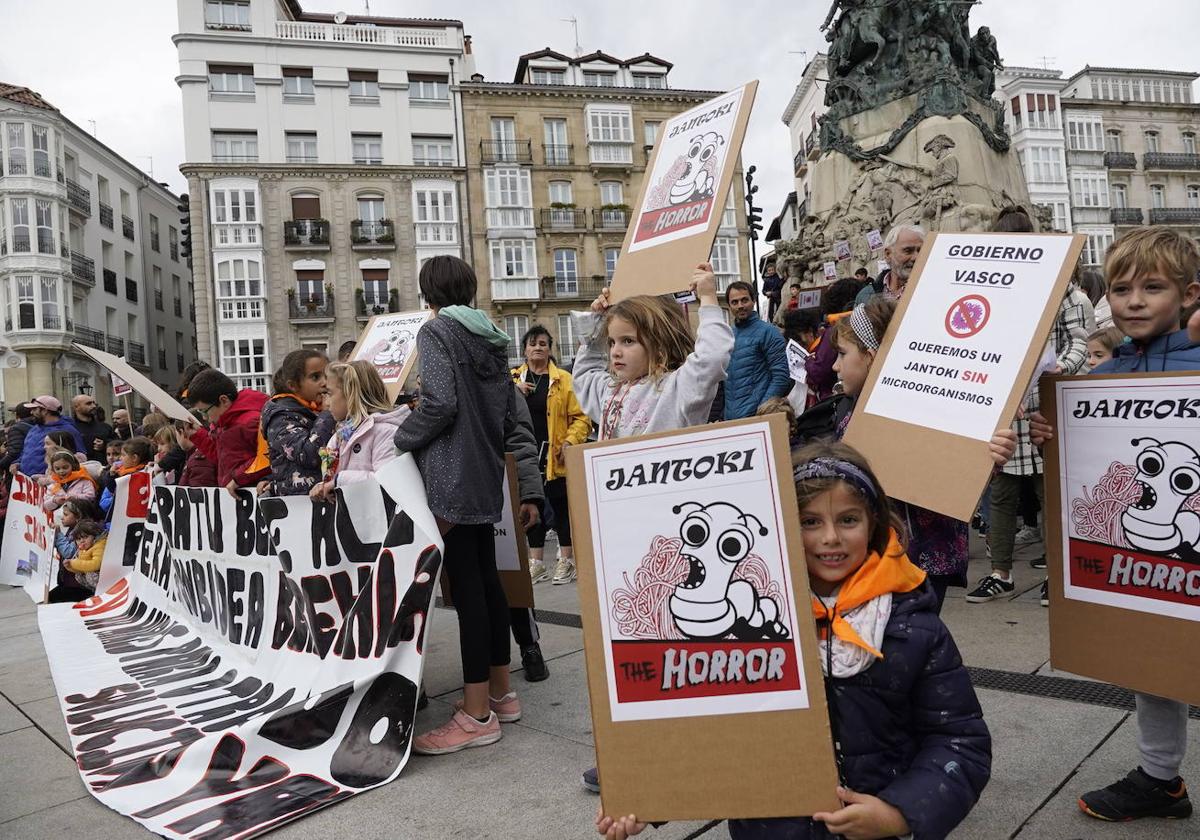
874,240
694,586
830,270
120,386
972,317
841,249
810,298
797,356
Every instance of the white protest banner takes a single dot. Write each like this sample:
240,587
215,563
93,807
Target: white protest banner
389,342
276,642
797,356
874,240
830,269
1123,528
27,555
841,249
120,386
155,395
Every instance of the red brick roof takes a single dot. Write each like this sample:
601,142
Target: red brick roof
25,96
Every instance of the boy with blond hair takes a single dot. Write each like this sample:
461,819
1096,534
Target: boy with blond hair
1152,274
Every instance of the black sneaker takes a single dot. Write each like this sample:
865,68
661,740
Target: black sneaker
591,780
1044,598
1137,796
1038,562
534,664
990,588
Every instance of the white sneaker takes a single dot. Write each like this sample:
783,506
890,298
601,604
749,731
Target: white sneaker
564,572
538,571
1027,535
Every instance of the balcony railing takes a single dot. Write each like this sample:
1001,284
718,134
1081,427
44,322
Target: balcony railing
174,251
812,148
115,345
306,233
506,151
89,337
310,307
127,227
564,218
369,305
137,353
79,196
155,245
436,233
379,232
510,217
1126,215
799,163
1175,216
131,289
1170,160
110,281
178,308
158,300
610,219
581,288
22,244
558,154
162,359
388,36
1120,160
83,268
106,215
179,362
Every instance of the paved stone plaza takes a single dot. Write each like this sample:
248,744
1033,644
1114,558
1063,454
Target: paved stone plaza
1046,751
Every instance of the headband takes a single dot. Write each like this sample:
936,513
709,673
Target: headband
861,324
841,470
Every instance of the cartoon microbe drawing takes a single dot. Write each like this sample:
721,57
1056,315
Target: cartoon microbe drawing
1168,474
395,349
698,180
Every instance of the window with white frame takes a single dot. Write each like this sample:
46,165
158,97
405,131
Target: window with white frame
19,210
515,326
239,290
364,87
301,146
561,193
1189,143
568,337
235,146
610,134
650,132
1061,221
428,87
227,14
370,208
598,78
1112,140
234,206
1193,196
655,81
35,303
433,151
231,79
729,215
548,76
1120,196
1152,144
44,214
1158,196
724,259
554,142
1089,189
507,187
1095,247
52,315
17,149
610,262
1085,134
513,258
436,216
566,274
310,287
612,192
244,360
27,308
298,83
155,241
41,151
1044,164
367,148
376,290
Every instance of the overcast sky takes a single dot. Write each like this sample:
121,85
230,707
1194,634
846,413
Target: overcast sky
114,63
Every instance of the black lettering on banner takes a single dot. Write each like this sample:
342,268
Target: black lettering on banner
316,591
104,762
105,731
158,767
242,711
184,504
400,531
270,511
416,602
133,541
289,799
362,761
245,531
300,727
324,536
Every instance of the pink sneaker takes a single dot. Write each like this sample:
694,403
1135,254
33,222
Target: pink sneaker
459,733
507,708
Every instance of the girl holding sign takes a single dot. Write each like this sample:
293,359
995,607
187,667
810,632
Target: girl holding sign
913,750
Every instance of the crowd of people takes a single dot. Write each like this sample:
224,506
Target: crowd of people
879,569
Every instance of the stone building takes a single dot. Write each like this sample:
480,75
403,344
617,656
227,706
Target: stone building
89,253
324,158
1033,115
555,159
800,116
1131,152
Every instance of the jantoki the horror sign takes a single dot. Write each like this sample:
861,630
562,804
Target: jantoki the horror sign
258,659
695,591
1130,488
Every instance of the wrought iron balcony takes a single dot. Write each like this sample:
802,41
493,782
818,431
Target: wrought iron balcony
155,245
558,154
21,243
506,151
1170,160
137,353
306,233
812,148
110,281
1175,216
79,196
310,307
800,163
162,359
158,300
1126,215
178,308
610,219
106,215
115,345
83,268
564,218
179,362
89,337
369,305
175,251
580,288
1120,160
374,233
131,289
127,227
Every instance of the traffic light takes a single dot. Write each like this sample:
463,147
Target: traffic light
754,219
185,228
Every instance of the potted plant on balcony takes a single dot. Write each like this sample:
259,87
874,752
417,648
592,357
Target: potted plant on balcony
318,232
386,232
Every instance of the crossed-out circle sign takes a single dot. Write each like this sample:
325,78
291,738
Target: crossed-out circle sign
967,316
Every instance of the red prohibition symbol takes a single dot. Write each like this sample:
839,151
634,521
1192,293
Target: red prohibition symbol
967,316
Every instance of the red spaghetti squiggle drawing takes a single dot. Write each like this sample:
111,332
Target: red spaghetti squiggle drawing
1097,514
640,608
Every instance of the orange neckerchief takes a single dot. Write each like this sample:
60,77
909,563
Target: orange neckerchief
78,475
262,458
892,572
123,471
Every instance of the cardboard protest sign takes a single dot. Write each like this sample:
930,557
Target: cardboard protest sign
676,217
697,625
796,357
131,376
956,360
1123,528
276,642
810,298
28,558
120,386
389,342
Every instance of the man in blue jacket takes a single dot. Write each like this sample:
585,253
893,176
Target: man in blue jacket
758,368
47,414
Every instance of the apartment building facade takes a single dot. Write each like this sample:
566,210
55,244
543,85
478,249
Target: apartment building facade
325,164
805,107
1132,152
1030,97
89,253
555,159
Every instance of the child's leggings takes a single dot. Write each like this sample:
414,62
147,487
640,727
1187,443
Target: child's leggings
470,561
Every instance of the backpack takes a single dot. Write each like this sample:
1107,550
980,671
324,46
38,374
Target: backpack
821,421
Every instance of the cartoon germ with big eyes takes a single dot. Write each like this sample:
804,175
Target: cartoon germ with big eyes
395,349
698,179
709,603
1168,475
